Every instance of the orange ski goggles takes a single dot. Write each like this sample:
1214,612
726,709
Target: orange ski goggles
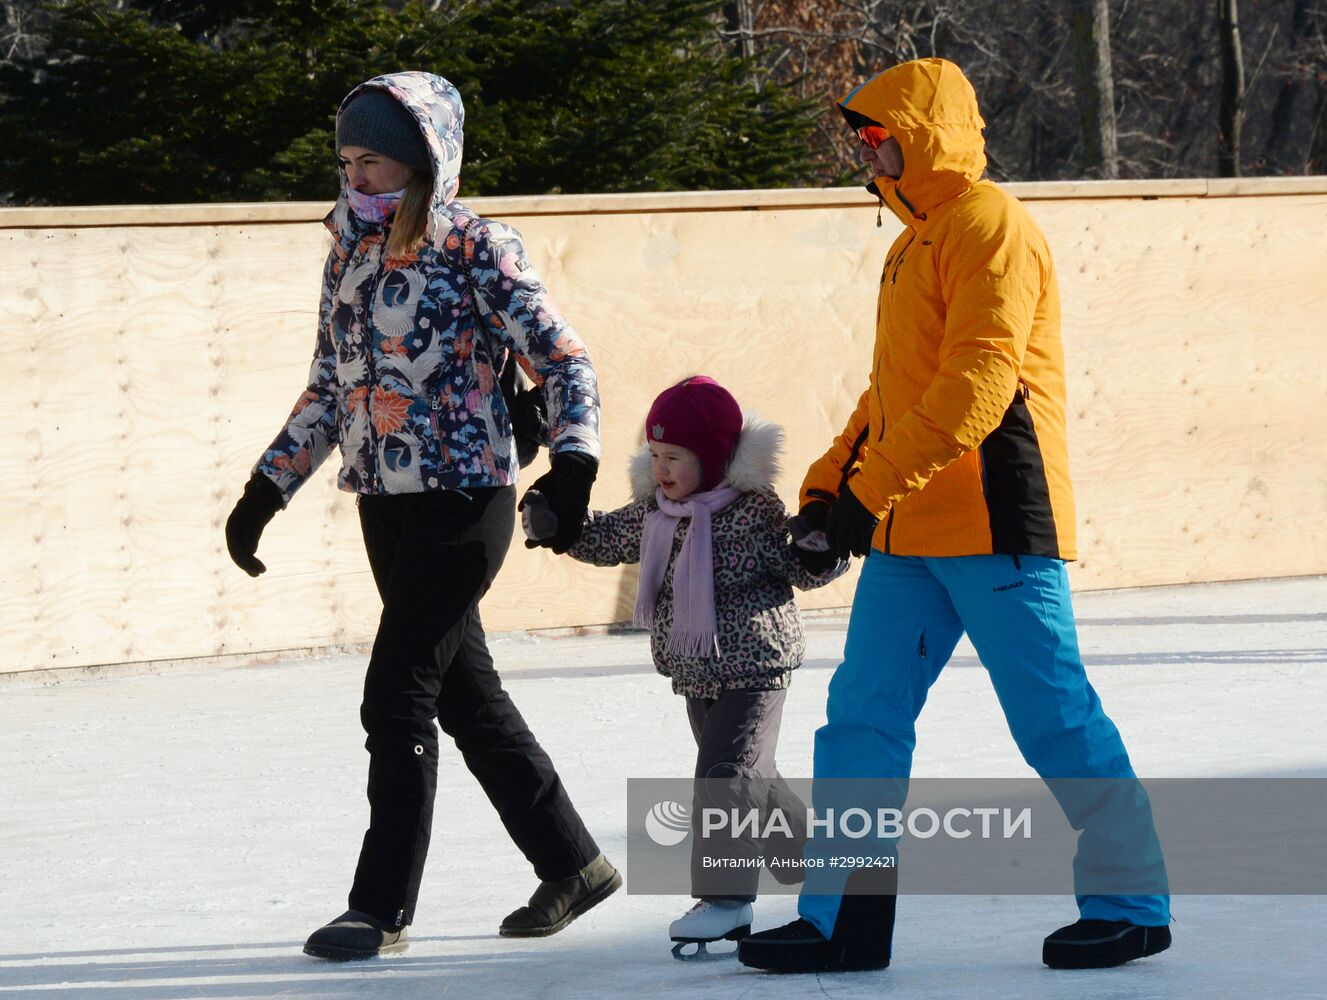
873,135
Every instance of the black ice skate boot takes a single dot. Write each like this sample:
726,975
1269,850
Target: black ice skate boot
556,904
1101,944
862,938
355,935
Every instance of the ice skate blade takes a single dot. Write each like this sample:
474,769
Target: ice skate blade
703,954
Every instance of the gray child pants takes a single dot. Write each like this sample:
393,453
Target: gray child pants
736,735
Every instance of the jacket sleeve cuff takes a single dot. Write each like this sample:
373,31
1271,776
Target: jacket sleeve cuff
869,497
578,460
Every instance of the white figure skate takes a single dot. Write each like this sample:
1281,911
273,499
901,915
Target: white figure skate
709,920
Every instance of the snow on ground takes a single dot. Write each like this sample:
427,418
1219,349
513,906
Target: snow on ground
179,835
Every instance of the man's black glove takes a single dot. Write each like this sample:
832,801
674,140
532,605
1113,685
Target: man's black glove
809,542
258,505
850,526
566,489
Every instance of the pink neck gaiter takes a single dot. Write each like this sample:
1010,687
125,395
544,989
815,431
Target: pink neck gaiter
374,207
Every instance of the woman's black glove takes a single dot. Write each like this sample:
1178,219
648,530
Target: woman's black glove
258,505
809,542
566,489
850,526
527,411
529,424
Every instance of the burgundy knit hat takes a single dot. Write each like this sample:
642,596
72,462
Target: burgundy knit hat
701,415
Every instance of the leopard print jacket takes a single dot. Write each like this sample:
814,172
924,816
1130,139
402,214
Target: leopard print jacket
759,630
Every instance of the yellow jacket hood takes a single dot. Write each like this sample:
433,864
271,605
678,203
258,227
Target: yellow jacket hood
931,108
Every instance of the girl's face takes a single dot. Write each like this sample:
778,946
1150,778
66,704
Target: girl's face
675,469
372,173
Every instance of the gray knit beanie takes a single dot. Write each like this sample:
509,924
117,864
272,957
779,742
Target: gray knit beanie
378,121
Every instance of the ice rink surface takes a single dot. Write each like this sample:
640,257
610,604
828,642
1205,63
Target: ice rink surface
180,834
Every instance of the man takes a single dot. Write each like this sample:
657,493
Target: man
951,477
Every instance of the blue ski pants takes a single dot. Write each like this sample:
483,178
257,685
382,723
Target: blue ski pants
908,614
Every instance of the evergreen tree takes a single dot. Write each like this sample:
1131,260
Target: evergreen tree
203,100
622,95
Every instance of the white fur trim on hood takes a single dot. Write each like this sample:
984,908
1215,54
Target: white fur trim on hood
754,465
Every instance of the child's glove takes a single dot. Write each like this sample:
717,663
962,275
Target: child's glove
537,518
244,527
809,543
565,488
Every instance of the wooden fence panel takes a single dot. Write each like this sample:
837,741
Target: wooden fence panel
149,355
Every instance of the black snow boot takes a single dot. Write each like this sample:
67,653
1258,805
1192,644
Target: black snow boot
1101,944
355,935
557,903
862,939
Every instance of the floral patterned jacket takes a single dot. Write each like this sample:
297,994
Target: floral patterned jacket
761,639
403,375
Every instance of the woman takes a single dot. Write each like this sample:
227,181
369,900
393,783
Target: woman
421,300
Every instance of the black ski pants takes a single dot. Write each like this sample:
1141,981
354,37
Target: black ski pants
433,557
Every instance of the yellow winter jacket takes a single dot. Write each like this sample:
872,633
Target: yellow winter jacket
958,442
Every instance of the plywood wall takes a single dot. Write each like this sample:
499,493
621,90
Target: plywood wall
147,358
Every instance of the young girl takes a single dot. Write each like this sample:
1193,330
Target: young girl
717,572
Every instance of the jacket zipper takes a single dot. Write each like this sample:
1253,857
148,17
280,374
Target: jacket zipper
893,279
371,364
852,458
435,411
897,260
908,205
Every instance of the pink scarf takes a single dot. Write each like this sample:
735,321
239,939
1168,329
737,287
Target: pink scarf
374,207
693,631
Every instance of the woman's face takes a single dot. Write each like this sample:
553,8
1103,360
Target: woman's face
675,469
373,173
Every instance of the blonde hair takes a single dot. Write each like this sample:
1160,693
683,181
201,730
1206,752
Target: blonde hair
411,215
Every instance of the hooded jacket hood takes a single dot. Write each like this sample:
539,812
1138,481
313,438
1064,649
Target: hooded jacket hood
931,108
754,465
436,105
